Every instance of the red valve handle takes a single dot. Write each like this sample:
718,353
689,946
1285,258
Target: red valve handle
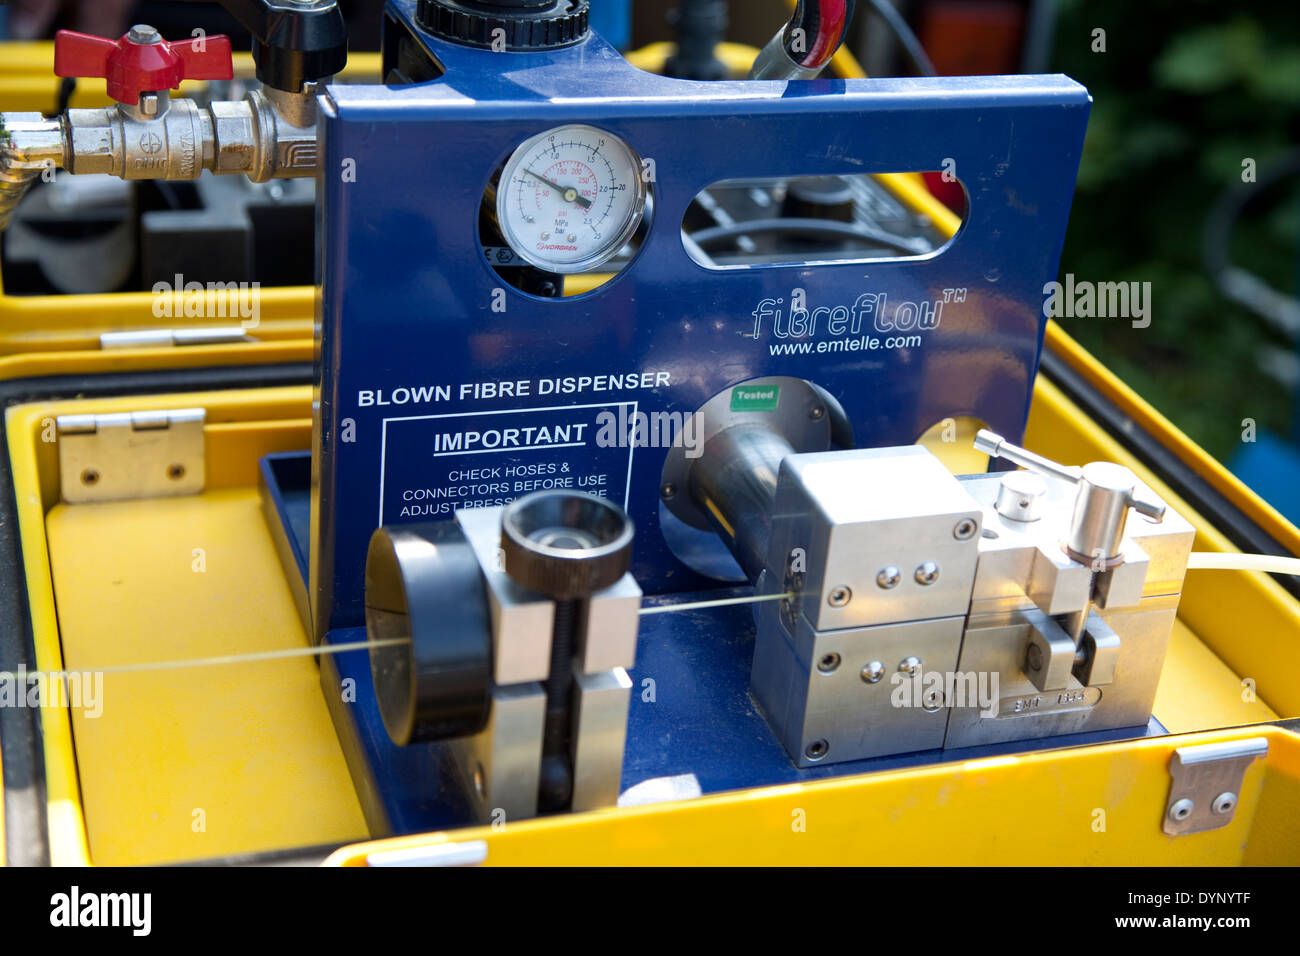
133,68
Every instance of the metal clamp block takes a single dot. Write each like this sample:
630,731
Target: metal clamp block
600,735
1057,584
1207,784
521,620
1100,653
607,637
1049,658
500,764
1122,586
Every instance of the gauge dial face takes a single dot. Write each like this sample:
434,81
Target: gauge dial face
571,198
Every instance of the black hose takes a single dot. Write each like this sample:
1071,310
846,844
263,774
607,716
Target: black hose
1233,282
898,25
700,25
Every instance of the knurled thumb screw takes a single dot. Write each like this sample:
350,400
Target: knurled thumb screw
566,545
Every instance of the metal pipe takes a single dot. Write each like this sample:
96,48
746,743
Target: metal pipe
734,483
30,144
267,135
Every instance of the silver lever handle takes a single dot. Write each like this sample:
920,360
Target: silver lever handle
995,446
1105,493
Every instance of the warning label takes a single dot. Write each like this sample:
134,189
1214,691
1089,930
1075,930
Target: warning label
433,465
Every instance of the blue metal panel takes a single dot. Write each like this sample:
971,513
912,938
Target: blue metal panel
407,300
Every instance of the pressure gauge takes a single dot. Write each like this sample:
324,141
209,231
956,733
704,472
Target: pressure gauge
570,198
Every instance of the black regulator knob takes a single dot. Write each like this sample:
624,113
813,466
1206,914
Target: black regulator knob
520,25
425,589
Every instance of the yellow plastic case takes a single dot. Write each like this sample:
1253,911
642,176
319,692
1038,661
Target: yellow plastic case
248,751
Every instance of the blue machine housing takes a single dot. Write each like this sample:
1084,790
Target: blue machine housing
410,303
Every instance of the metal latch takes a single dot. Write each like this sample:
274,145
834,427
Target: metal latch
168,338
131,455
1207,784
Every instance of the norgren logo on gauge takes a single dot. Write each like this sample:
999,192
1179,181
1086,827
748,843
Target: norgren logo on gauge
871,312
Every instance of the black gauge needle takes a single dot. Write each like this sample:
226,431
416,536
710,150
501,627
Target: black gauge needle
568,192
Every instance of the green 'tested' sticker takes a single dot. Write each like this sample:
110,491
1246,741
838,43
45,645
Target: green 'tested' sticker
755,398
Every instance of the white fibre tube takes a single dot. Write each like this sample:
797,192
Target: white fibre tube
1231,561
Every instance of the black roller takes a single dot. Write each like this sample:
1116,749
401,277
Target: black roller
423,583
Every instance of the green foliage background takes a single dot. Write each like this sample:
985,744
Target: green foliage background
1184,92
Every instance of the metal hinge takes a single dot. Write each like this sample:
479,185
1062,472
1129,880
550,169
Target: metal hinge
167,338
131,455
1207,784
468,853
